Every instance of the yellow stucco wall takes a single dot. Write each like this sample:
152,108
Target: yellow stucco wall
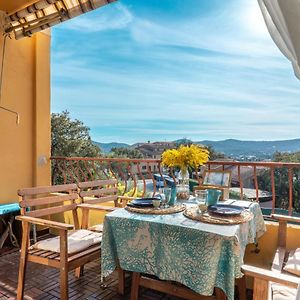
268,244
25,89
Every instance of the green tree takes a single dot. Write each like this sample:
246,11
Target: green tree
213,154
281,179
126,153
71,137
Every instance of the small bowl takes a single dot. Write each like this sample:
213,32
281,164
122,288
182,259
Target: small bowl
156,203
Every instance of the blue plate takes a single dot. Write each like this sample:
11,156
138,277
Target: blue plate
142,202
225,210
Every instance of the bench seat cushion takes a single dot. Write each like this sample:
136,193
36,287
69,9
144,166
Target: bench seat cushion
293,263
281,292
78,240
97,228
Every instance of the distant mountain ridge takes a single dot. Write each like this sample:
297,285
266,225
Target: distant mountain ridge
231,147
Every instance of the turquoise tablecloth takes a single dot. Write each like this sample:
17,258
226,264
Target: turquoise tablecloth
172,247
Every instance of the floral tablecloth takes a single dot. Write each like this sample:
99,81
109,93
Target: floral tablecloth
200,256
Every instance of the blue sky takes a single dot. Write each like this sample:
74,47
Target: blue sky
140,70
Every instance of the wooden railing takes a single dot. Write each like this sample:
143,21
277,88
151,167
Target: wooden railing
135,176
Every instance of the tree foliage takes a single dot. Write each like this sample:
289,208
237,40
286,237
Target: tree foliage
213,154
281,179
71,137
126,153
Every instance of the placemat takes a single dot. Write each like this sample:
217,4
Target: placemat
193,213
157,211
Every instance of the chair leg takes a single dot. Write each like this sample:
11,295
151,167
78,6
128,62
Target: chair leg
220,295
79,271
84,225
135,286
121,283
64,288
260,289
23,261
241,284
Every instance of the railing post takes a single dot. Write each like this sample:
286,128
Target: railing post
255,183
273,190
290,190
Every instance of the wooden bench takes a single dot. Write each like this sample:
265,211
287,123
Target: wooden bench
92,195
264,279
40,202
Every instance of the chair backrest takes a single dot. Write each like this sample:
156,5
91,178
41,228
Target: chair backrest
217,178
48,200
98,191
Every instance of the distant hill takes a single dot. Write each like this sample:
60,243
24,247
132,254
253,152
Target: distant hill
236,148
231,147
106,147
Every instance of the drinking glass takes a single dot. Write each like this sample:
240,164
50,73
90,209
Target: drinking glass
167,197
201,199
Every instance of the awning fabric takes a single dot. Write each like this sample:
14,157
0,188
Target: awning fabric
282,18
46,13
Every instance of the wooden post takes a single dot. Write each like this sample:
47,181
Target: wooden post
64,265
260,289
23,261
241,284
121,283
135,286
220,295
282,231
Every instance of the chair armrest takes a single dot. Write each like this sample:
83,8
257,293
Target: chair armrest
96,207
43,222
126,198
285,218
269,275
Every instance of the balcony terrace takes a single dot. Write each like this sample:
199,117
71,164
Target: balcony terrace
25,87
136,177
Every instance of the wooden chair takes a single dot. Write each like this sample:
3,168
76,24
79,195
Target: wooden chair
93,193
215,179
269,282
54,200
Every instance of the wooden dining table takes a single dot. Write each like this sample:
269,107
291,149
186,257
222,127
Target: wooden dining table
205,259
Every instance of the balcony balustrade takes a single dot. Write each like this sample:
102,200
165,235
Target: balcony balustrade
136,177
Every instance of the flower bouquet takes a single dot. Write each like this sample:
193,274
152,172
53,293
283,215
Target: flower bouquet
185,158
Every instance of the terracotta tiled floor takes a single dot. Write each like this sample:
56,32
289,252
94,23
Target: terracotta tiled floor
43,283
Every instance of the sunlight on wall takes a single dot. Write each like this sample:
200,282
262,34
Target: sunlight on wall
26,89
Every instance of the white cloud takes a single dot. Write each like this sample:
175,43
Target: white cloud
100,20
242,87
239,29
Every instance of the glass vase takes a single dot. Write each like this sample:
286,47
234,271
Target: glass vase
183,188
